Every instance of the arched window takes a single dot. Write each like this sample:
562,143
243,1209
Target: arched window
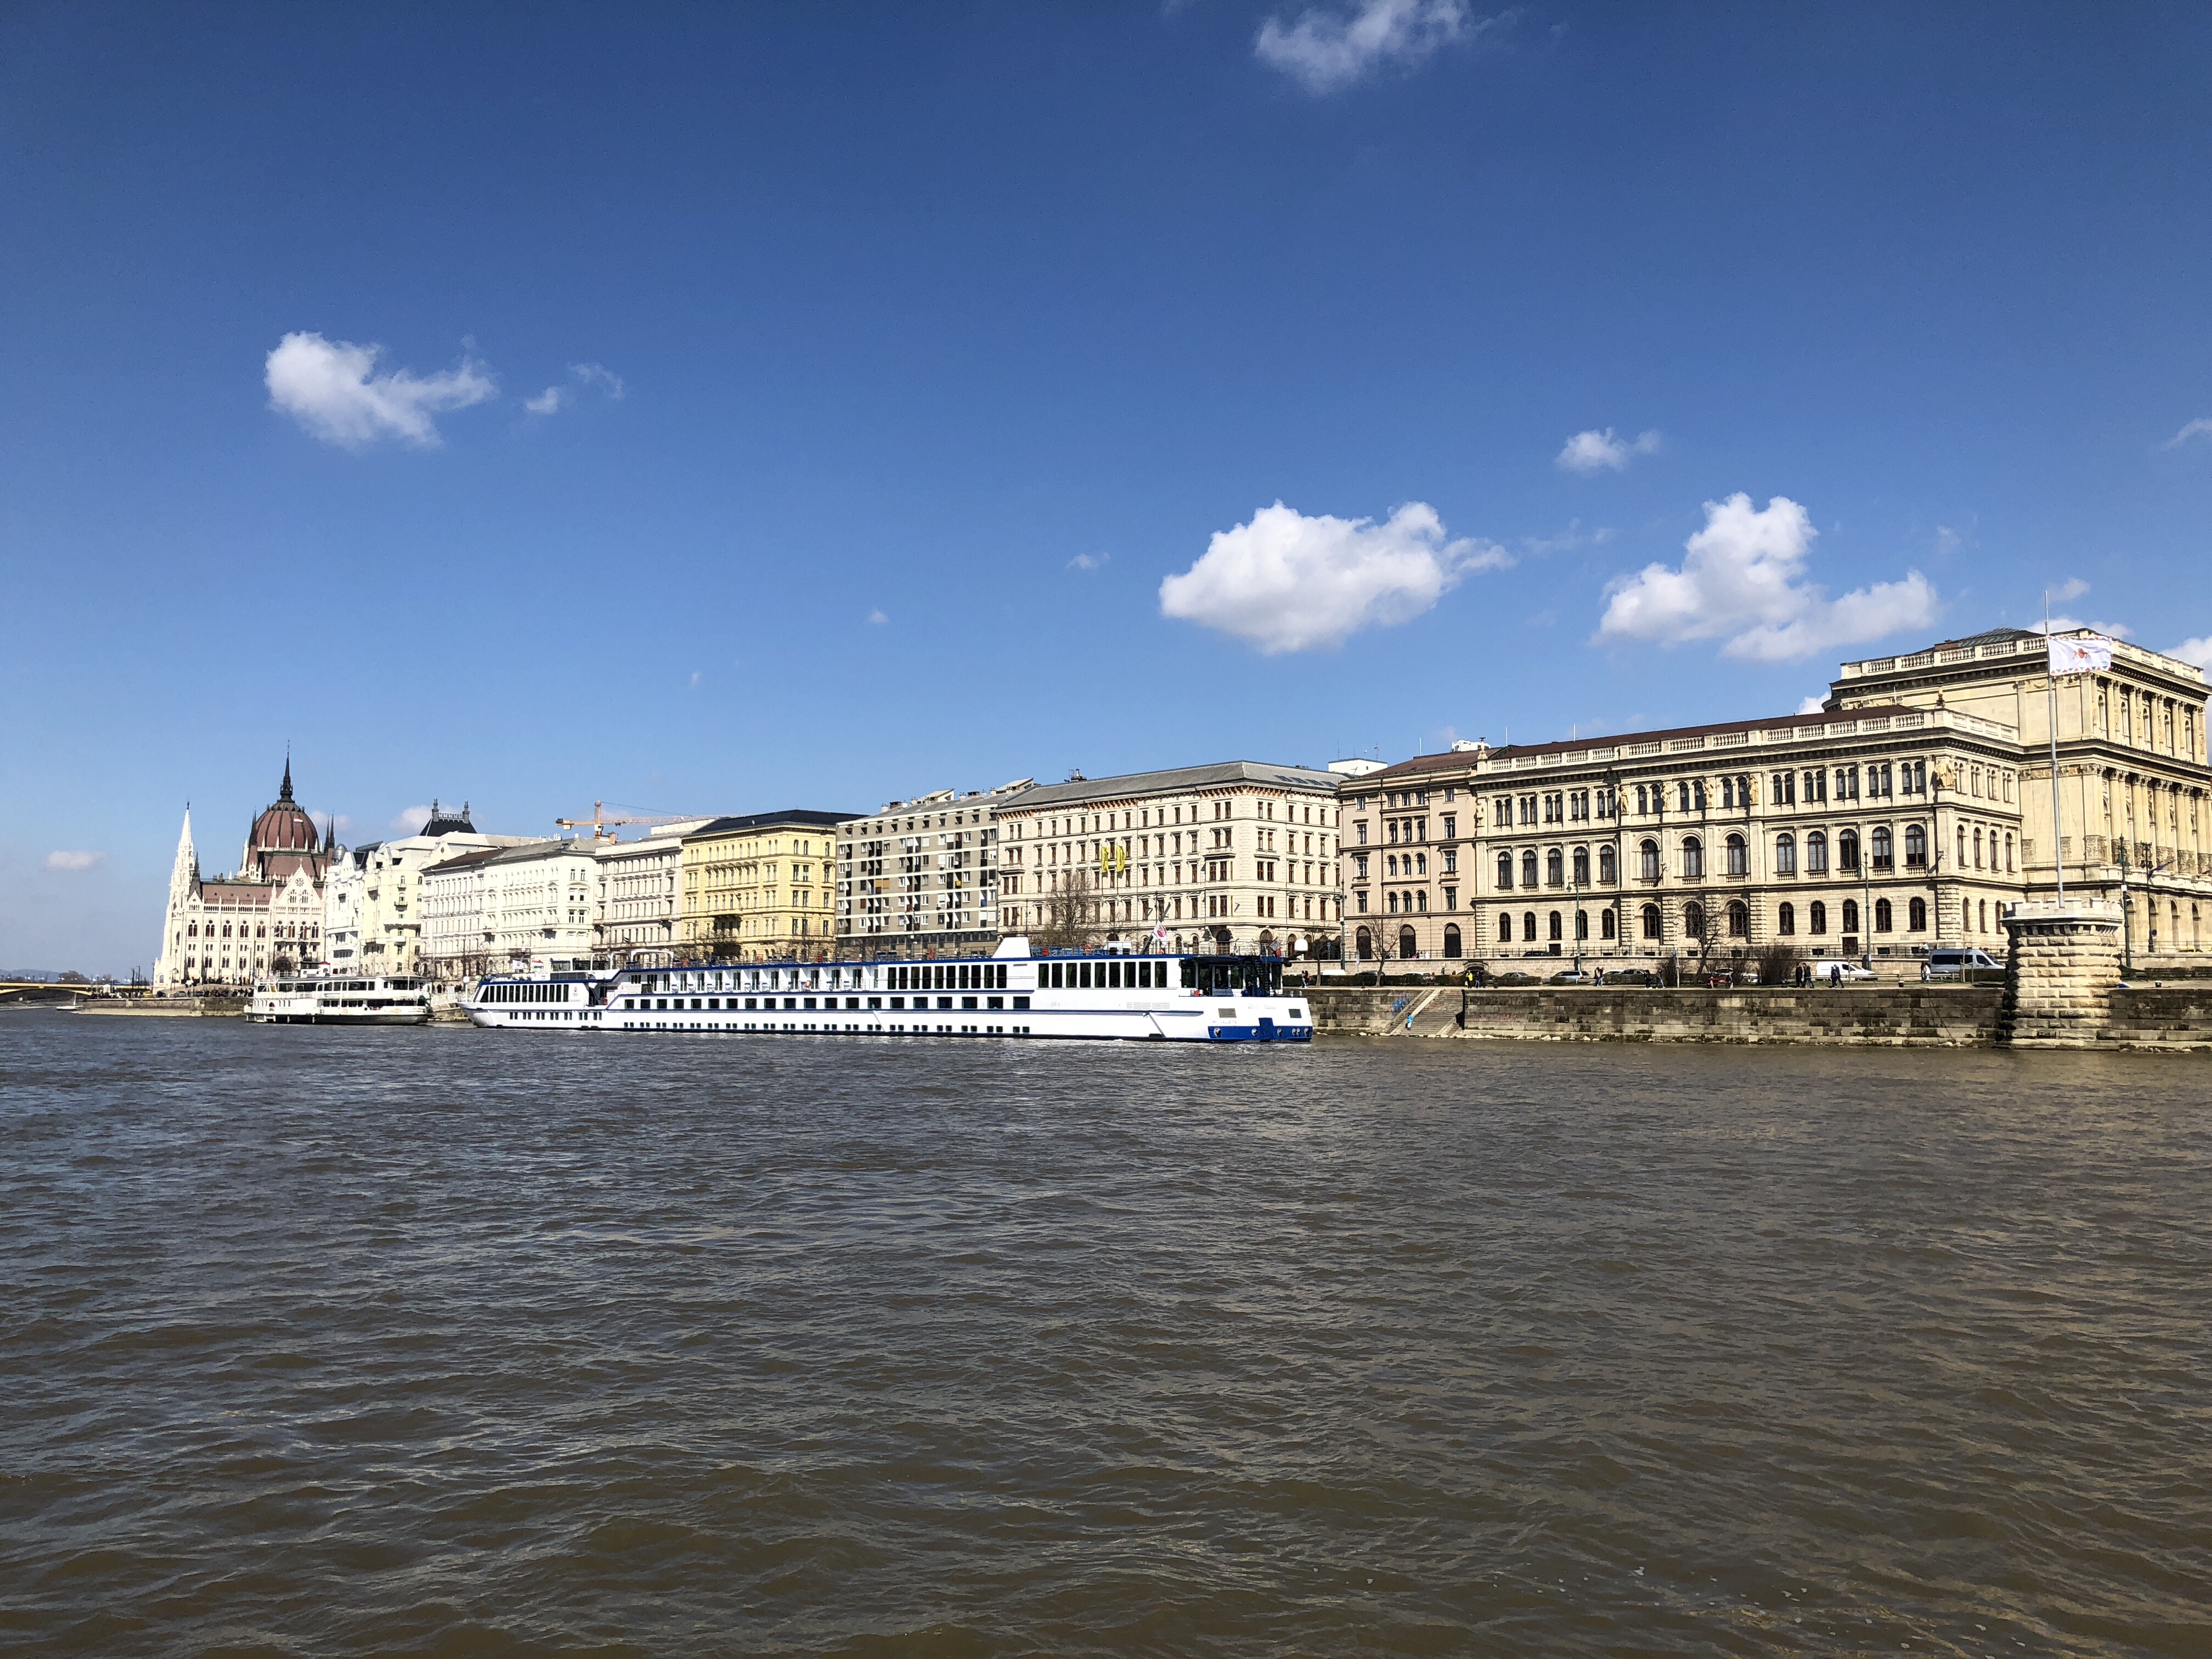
1505,928
1421,900
1529,925
1851,915
1648,860
1916,915
1366,945
1739,920
1816,854
1390,862
1392,898
1785,854
1884,917
1651,922
1505,873
1582,924
1555,867
1785,919
1915,846
1555,922
1882,848
1604,924
1451,940
1693,920
1818,917
1847,849
1739,857
1693,859
1606,871
1728,793
1420,864
1528,868
1408,946
1581,866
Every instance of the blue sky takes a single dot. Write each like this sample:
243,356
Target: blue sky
929,378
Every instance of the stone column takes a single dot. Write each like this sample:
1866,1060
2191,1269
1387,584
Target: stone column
2059,974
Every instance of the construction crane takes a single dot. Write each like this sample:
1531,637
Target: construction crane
598,824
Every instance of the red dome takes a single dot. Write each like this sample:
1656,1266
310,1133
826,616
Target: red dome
284,828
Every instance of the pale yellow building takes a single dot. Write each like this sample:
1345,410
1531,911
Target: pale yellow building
2134,792
760,888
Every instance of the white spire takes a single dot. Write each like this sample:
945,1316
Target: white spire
185,871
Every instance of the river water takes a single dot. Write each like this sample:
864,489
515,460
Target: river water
463,1342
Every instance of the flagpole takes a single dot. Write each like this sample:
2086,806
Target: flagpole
2050,683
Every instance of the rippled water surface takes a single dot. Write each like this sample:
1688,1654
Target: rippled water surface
462,1342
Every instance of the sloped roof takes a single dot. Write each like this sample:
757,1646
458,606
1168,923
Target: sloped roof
1459,761
1172,780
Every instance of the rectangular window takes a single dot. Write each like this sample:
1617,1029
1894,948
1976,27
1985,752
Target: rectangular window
1021,1002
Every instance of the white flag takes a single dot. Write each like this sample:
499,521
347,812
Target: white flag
2088,654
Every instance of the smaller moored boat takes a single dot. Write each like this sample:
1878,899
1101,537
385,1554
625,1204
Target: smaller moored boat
316,1000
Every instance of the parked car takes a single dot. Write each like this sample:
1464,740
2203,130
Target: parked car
1629,976
1958,963
1572,976
1839,973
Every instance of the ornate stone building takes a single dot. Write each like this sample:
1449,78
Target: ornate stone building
373,901
1908,812
226,930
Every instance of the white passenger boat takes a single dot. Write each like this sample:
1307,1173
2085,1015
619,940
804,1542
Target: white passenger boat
315,1000
1011,993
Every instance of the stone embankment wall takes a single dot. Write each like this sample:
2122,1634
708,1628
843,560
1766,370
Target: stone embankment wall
2175,1017
1891,1016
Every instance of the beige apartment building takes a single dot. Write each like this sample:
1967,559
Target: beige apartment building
1236,856
920,877
1905,814
760,888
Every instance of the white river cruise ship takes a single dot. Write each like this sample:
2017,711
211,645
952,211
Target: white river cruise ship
1011,993
318,1001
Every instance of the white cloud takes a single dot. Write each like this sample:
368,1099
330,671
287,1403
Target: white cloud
1743,583
2072,588
2196,428
1595,450
338,823
1813,705
329,387
1326,49
877,618
72,863
600,375
410,821
556,398
2198,651
1288,582
1567,541
1090,561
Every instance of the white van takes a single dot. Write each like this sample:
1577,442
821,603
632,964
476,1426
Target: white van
1954,964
